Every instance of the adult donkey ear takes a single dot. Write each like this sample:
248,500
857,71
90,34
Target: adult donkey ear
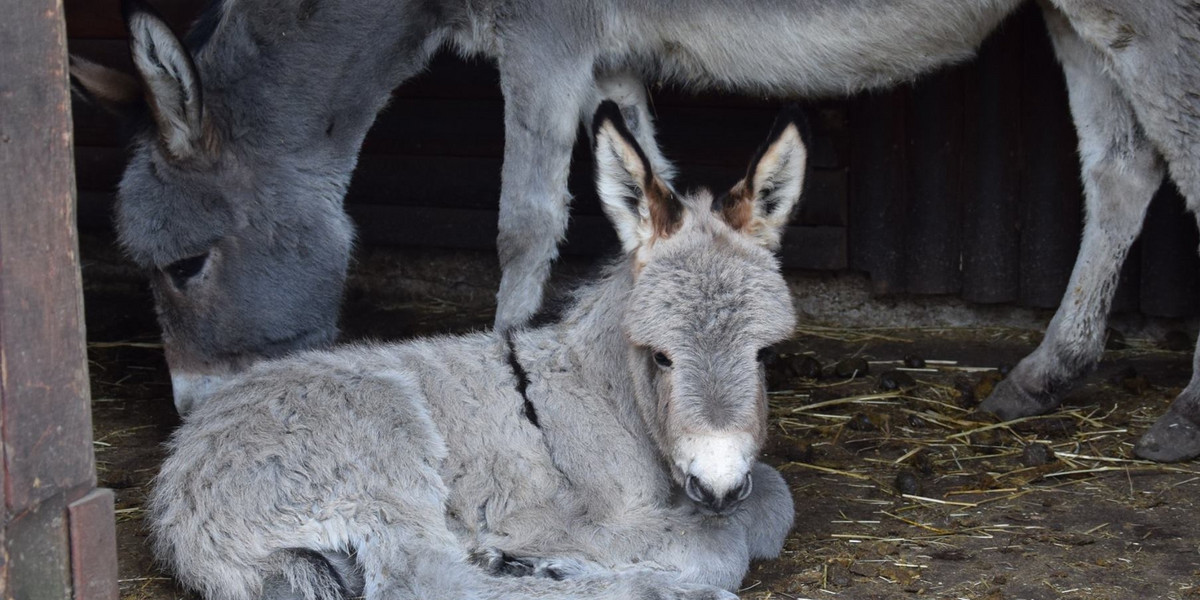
115,91
641,206
761,204
168,74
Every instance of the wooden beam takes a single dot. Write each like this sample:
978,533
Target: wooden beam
45,410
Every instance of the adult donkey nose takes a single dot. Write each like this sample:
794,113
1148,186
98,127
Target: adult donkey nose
718,503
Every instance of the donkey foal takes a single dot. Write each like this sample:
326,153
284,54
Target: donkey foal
615,450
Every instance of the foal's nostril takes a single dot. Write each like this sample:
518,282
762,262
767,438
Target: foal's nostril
698,491
742,491
704,496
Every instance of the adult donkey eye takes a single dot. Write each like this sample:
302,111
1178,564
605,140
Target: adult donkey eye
661,360
183,270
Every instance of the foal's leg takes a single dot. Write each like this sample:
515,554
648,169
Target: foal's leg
543,103
402,566
700,548
1121,172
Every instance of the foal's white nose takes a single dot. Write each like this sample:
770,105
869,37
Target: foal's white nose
719,462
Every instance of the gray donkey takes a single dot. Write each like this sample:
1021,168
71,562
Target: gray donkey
615,450
290,87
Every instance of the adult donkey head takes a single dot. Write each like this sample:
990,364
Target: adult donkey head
232,199
707,299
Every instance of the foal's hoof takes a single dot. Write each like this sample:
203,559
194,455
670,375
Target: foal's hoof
1171,439
1008,401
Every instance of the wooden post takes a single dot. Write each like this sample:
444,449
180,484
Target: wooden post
57,539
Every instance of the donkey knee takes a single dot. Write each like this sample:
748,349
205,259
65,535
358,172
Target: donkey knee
770,514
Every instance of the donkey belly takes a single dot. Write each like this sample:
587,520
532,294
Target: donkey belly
806,47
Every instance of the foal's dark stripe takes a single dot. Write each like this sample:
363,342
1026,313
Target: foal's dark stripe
522,381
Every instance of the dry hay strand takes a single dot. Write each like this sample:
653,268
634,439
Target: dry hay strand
124,344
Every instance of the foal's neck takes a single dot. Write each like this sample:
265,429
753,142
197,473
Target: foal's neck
311,79
592,331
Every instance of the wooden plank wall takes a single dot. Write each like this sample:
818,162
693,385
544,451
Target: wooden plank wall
57,537
965,183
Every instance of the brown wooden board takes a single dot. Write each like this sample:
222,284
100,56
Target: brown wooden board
93,538
991,171
934,221
1051,194
1169,263
878,188
43,388
38,553
803,247
45,417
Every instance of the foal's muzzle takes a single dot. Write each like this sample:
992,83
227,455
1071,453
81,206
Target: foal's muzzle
704,496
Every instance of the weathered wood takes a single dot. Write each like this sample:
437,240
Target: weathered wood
878,191
43,388
803,247
38,553
934,221
1169,263
44,402
93,537
1051,194
991,171
102,18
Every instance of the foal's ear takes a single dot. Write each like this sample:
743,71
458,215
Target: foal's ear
168,74
761,204
640,205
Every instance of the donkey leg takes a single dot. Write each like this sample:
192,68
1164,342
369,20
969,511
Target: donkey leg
1121,172
768,513
701,548
1151,50
541,117
629,92
718,551
1175,436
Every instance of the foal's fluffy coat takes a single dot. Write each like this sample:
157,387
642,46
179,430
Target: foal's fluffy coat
615,450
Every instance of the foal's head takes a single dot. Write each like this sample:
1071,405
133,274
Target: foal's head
707,299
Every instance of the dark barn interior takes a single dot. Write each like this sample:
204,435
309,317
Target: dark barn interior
962,185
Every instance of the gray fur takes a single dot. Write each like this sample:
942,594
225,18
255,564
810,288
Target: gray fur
421,459
1131,69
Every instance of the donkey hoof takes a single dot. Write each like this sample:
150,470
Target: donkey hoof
496,562
1008,401
1171,439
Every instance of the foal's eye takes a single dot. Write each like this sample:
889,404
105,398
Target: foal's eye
661,360
766,356
183,270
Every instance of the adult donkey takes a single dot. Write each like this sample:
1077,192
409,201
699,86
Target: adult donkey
312,73
616,449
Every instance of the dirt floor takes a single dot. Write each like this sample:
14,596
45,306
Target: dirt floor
901,489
